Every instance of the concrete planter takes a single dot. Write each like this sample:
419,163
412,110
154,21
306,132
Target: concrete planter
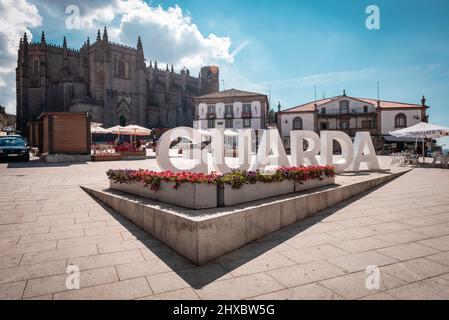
204,237
315,183
188,195
205,196
227,196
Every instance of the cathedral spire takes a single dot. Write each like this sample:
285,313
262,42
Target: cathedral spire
43,41
139,44
98,35
105,35
64,43
25,38
88,42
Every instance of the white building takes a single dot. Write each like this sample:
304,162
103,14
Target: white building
351,114
231,109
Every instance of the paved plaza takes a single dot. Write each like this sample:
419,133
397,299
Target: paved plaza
48,222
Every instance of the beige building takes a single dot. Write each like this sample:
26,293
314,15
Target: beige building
351,114
6,120
231,109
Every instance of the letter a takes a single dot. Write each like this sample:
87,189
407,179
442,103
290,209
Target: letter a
373,20
364,152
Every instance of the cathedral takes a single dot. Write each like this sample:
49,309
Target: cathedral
111,81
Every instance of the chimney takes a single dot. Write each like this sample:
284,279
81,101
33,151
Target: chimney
279,106
423,101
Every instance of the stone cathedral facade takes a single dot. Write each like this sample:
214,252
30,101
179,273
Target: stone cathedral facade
111,81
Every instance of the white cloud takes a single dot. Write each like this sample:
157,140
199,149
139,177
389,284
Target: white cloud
168,34
326,78
16,17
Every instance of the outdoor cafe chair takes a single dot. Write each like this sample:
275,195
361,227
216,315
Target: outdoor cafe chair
437,156
444,161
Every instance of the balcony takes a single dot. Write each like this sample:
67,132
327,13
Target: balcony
211,115
348,115
246,114
229,116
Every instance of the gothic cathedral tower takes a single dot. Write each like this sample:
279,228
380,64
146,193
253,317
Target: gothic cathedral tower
210,79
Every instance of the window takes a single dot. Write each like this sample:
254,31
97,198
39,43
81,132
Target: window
344,124
297,123
367,124
344,107
211,124
365,109
121,69
228,124
36,68
209,75
70,92
323,110
228,111
400,121
211,109
323,125
247,123
246,108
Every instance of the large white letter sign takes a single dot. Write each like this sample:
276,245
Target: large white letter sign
270,142
162,150
364,152
299,156
218,155
327,152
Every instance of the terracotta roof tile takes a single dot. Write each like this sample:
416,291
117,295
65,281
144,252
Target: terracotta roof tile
229,93
310,106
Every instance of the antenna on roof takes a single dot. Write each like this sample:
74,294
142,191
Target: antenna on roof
378,91
315,93
269,93
324,94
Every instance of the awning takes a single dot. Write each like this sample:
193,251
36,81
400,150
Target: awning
422,130
399,139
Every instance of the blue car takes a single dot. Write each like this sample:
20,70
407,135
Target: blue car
14,148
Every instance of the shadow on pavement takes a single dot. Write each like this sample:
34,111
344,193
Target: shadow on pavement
200,276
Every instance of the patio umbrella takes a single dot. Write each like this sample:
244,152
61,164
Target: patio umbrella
422,130
116,129
98,130
137,130
95,127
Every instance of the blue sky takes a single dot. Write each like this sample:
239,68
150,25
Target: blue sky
292,45
289,41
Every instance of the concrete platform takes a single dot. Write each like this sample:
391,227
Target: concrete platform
203,235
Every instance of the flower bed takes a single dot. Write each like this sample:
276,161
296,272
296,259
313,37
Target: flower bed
239,187
199,191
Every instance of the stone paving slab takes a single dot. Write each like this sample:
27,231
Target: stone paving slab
47,222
